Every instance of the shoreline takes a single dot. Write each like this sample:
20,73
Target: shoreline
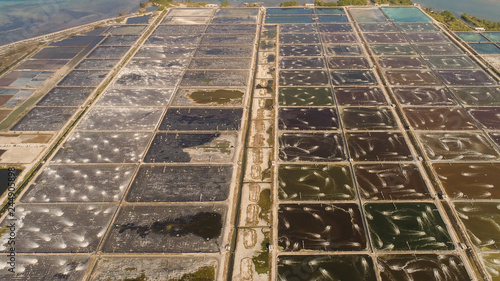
239,4
456,11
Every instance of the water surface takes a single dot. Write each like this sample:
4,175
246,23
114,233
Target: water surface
487,9
21,19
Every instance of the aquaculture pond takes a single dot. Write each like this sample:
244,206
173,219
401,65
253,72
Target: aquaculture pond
329,143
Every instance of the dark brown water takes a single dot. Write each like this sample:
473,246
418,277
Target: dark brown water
311,147
439,118
308,119
390,182
320,227
315,182
378,146
470,180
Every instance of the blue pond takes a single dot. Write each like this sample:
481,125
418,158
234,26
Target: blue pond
405,14
285,19
485,48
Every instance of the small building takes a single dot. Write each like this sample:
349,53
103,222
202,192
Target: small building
309,5
211,6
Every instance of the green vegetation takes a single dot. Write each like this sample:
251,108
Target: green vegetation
289,4
265,204
394,2
486,24
224,4
261,260
460,24
447,18
140,278
221,97
340,3
351,2
162,2
144,6
202,273
324,4
191,4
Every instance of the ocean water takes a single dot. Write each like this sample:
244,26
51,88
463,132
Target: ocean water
487,9
21,19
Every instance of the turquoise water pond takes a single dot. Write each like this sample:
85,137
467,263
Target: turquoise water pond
485,48
405,14
471,37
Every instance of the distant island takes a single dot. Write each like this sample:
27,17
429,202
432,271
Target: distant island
184,3
463,23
